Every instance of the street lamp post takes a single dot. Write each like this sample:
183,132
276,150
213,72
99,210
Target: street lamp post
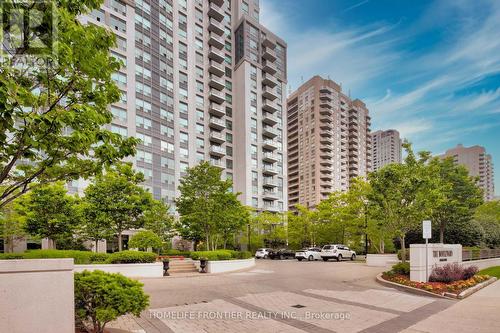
366,229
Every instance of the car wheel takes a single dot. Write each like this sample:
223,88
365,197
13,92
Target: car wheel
299,259
311,258
353,257
266,256
339,257
325,259
281,257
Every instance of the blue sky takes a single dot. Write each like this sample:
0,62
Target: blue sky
430,69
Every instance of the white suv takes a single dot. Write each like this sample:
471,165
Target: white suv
310,254
337,251
262,253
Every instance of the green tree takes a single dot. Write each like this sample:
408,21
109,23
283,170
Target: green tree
49,213
488,216
103,297
302,229
145,239
267,229
458,194
158,219
51,123
231,219
12,226
116,201
204,200
403,194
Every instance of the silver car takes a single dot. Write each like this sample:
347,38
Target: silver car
337,252
310,254
262,253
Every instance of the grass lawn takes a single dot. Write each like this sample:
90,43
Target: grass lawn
491,271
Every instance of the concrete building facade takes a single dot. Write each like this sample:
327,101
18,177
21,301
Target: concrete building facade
203,81
386,148
479,164
328,141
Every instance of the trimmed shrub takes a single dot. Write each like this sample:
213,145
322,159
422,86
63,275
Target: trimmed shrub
80,257
212,255
98,257
103,297
452,272
131,257
401,268
145,239
10,256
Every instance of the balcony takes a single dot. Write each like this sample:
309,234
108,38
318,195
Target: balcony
326,148
271,207
267,42
270,195
216,55
269,93
326,162
215,27
326,111
216,69
269,54
269,67
216,96
215,11
270,157
269,106
269,119
216,41
325,104
217,151
216,110
217,123
269,132
269,170
217,137
217,163
325,97
269,182
270,144
216,82
269,80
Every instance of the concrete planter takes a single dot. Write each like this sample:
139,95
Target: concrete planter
222,266
382,260
129,270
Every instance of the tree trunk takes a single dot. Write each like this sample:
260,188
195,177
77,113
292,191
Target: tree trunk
441,233
96,245
208,242
403,249
120,246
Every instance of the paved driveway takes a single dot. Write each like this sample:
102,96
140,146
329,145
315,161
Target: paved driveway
282,296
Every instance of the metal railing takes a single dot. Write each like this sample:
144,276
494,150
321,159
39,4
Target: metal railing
477,254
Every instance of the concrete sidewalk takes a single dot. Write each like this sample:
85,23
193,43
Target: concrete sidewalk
479,313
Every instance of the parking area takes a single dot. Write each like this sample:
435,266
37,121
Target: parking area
282,296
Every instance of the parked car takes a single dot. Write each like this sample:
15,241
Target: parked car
262,253
312,253
337,251
281,254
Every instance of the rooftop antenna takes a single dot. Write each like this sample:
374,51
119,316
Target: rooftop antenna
302,79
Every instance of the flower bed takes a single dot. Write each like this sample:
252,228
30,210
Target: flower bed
439,288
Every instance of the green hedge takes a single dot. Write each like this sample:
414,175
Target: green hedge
401,268
176,253
131,257
85,257
220,255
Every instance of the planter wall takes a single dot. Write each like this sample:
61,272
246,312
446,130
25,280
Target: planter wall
129,270
37,295
381,260
222,266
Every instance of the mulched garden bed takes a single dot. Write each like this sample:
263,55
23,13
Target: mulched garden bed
440,288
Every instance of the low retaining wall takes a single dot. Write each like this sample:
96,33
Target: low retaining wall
37,295
483,263
381,260
221,266
129,270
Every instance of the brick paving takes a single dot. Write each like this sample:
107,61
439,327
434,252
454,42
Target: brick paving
263,299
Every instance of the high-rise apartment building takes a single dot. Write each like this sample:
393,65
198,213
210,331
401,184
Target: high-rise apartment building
386,148
328,141
203,80
479,164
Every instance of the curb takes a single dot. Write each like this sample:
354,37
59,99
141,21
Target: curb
417,291
409,289
477,287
